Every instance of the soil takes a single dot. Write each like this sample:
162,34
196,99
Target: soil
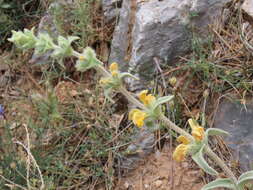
156,173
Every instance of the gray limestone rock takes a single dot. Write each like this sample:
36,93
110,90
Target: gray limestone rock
247,6
119,43
48,25
159,29
111,9
237,119
142,144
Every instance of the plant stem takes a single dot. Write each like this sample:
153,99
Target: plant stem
171,125
220,162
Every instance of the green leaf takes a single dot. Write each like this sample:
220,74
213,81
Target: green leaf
123,75
64,49
223,182
24,40
5,6
162,100
244,178
215,131
90,60
199,159
44,43
107,93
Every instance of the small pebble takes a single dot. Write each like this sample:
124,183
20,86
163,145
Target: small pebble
158,183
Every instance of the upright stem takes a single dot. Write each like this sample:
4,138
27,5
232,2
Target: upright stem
220,162
172,125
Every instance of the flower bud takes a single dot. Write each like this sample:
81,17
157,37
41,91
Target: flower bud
87,60
173,81
13,165
206,93
24,40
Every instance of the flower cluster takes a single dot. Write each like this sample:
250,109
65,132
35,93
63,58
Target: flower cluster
181,150
87,60
146,99
113,81
138,116
43,43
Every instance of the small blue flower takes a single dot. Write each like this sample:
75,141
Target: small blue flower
1,110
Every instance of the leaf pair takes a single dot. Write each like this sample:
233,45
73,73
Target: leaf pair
198,156
228,183
87,60
43,43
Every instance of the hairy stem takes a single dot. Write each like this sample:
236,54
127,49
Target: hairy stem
220,163
172,125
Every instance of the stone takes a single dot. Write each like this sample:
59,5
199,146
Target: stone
142,144
158,183
247,6
119,42
47,25
161,29
237,119
111,9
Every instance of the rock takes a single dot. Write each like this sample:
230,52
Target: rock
154,28
237,120
158,183
119,43
111,9
47,25
247,6
142,145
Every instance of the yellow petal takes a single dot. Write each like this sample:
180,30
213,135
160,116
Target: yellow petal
104,81
146,99
180,152
138,117
173,81
81,57
149,99
182,139
131,113
114,67
198,132
114,73
143,95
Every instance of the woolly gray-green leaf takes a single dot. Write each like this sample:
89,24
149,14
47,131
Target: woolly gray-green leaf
215,131
223,182
244,178
162,100
123,75
199,159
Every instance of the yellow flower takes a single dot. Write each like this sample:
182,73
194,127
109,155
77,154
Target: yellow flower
138,117
197,131
114,73
182,139
173,81
81,58
180,152
146,99
104,81
114,67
